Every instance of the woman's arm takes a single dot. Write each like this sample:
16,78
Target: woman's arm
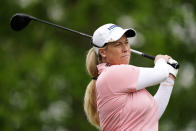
163,94
153,76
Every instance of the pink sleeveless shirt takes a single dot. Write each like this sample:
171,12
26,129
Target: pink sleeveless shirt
120,106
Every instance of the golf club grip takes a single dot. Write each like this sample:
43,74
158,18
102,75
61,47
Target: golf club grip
148,56
142,54
175,65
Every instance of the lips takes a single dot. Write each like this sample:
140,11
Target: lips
125,56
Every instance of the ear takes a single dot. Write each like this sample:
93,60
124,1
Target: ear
102,52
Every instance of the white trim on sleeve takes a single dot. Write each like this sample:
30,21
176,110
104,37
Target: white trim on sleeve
153,76
163,94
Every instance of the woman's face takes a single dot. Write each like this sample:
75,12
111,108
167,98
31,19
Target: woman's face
117,52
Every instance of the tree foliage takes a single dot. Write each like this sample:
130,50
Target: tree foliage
42,69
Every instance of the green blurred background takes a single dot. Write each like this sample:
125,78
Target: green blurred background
42,69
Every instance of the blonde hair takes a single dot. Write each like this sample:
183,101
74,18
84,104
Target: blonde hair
90,106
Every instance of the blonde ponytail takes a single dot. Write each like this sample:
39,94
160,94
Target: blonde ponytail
90,106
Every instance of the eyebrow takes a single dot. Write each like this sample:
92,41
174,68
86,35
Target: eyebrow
115,42
121,41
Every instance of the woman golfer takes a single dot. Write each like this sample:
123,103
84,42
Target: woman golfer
116,99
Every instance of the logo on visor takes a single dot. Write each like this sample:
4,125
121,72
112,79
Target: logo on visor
112,27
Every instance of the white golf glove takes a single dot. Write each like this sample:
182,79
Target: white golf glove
172,70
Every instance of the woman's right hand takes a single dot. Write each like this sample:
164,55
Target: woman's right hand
165,57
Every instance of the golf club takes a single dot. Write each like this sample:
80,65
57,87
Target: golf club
19,21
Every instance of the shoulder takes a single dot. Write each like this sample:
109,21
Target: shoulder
118,78
121,68
117,72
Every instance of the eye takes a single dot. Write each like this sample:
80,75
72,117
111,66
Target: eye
117,44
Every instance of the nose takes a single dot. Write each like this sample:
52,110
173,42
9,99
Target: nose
125,47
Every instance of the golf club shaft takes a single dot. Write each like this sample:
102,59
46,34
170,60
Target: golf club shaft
19,21
142,54
20,17
61,27
86,35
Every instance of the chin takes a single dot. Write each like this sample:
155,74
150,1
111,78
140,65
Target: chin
125,62
120,61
